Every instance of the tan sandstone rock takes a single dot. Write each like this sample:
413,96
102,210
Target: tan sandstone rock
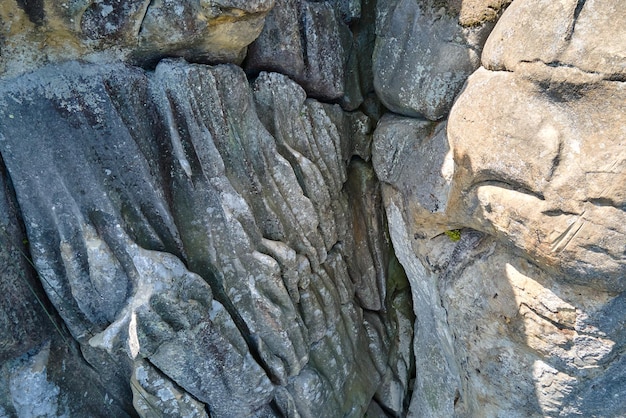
36,33
543,167
521,311
588,35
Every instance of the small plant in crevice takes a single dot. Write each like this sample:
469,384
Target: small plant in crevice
453,234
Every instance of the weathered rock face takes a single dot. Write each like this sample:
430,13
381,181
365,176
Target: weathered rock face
290,44
38,32
35,351
325,46
425,51
585,35
527,307
208,192
185,244
566,194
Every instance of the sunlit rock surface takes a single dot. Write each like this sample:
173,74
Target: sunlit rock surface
509,220
198,201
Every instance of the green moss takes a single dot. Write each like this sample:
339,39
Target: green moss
454,234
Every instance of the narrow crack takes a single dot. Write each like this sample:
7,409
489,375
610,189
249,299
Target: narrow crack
556,161
559,212
139,27
173,382
220,295
558,325
510,185
607,202
577,10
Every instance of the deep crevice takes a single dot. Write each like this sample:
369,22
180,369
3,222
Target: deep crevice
174,383
559,212
605,201
276,409
220,295
509,184
386,410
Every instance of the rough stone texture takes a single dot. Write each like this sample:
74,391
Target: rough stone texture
425,51
154,393
213,242
304,40
587,35
18,303
35,349
200,256
501,337
216,31
524,314
38,32
325,46
565,195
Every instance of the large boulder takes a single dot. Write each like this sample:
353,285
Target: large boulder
325,46
546,170
306,41
426,50
509,220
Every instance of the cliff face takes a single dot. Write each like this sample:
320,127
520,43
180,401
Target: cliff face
312,208
529,170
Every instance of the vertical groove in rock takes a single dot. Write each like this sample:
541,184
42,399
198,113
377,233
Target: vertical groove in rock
188,241
216,240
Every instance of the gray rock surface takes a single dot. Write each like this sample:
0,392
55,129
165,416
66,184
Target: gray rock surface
307,41
325,46
425,51
202,255
216,240
36,351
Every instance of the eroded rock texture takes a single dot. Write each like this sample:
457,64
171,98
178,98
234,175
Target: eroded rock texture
426,49
192,251
325,46
36,32
198,201
508,217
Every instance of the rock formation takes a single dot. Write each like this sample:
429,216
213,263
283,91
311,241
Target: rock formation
312,208
528,170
